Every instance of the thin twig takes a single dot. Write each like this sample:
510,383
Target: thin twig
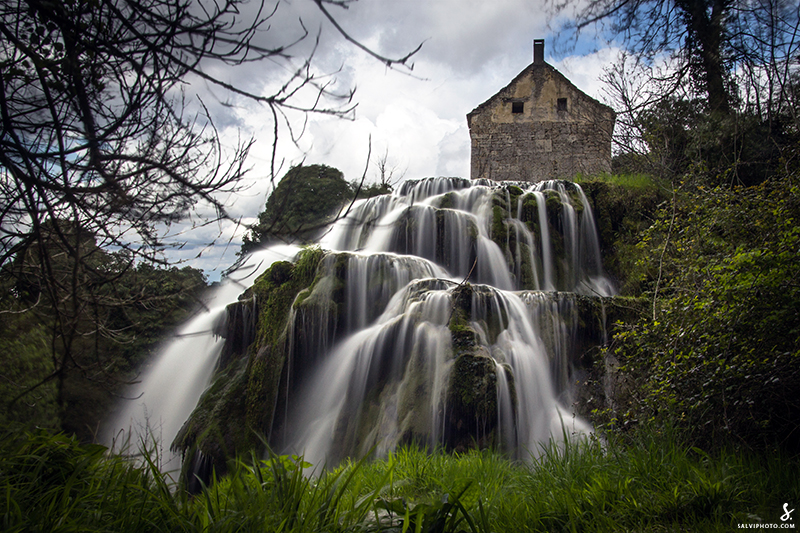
663,250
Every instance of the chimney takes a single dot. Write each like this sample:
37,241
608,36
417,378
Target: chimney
538,51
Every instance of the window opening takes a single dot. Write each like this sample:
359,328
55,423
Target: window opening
561,104
517,107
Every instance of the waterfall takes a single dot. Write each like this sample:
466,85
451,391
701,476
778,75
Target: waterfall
403,350
169,389
389,376
442,314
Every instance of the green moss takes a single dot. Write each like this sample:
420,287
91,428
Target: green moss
514,193
499,229
463,336
238,405
263,377
635,180
473,385
471,402
575,200
276,291
308,260
529,213
448,201
215,426
526,268
553,203
472,229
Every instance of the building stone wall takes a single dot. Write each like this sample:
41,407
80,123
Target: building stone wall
540,127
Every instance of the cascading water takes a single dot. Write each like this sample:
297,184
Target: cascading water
168,391
442,314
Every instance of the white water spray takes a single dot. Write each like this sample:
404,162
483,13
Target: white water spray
375,370
169,390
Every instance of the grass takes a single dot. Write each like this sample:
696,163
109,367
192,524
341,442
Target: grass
52,483
629,181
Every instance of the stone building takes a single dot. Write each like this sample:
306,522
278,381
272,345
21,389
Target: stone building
540,127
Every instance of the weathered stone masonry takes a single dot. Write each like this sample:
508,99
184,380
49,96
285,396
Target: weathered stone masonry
540,127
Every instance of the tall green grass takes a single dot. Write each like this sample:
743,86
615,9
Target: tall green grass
52,483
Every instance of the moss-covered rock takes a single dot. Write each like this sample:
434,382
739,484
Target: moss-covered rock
499,229
209,432
471,400
448,201
238,406
471,397
514,192
621,213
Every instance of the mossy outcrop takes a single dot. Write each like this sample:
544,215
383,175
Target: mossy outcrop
471,396
238,406
621,214
517,228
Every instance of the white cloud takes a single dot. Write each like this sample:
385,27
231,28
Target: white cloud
472,49
585,71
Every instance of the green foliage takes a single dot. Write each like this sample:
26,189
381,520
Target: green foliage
280,494
26,362
373,189
716,355
52,483
117,316
446,514
170,296
305,199
628,180
682,136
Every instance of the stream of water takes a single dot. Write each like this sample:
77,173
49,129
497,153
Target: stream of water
386,372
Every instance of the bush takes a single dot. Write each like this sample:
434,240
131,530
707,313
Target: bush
718,353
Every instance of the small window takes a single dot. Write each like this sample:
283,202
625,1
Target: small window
517,107
561,104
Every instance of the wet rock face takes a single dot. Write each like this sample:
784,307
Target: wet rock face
238,328
239,404
471,405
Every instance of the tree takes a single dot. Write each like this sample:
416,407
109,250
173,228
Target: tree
388,175
305,200
101,148
68,354
709,83
716,49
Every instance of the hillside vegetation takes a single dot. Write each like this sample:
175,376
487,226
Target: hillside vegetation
716,353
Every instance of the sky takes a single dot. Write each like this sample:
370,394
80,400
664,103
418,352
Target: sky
415,118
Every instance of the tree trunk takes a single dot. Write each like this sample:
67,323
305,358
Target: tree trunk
705,19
